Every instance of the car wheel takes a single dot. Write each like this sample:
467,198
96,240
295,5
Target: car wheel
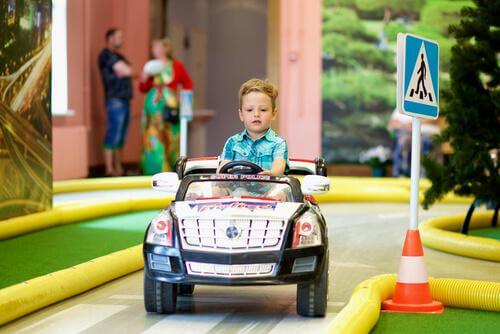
312,297
159,297
186,289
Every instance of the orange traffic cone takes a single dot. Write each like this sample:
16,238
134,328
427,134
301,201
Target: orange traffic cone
412,294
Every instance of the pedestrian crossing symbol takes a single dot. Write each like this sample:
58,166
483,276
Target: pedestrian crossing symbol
418,75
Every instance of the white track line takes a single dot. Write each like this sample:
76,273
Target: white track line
74,319
396,215
248,328
127,297
295,324
187,323
352,265
200,299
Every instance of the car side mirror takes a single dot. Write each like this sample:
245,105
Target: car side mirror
168,182
315,185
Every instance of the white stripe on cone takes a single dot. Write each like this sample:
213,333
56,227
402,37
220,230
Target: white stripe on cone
412,270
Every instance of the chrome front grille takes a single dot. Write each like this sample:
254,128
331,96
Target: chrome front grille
230,270
232,235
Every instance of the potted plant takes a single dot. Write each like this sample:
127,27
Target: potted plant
377,158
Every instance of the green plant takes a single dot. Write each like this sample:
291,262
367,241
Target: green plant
391,6
328,3
437,15
333,46
393,28
359,90
376,157
350,53
345,21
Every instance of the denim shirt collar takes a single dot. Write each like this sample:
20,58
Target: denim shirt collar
270,135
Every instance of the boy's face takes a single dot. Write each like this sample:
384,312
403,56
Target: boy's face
257,112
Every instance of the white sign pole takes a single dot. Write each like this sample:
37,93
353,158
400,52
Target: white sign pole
186,114
415,172
418,104
183,137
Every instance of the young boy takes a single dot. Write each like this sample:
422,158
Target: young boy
258,143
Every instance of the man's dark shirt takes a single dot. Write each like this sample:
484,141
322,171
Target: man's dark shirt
114,87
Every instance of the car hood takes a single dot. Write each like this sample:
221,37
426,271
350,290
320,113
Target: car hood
235,208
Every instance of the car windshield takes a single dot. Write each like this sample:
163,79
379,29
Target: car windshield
198,190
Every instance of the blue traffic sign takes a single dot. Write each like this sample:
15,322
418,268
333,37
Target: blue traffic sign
418,76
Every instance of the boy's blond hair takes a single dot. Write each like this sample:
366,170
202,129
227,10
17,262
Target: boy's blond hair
259,85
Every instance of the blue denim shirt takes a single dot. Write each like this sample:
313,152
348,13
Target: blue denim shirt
262,151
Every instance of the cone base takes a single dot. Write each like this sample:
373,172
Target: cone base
432,307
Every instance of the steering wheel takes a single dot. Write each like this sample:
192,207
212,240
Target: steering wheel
240,167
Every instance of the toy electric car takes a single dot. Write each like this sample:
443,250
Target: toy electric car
238,228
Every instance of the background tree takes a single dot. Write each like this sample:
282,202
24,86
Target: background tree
470,106
391,7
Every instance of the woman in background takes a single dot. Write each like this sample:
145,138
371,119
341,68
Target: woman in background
160,82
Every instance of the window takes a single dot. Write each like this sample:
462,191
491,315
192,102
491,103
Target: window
59,84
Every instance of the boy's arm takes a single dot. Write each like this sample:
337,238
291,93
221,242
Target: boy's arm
278,168
280,157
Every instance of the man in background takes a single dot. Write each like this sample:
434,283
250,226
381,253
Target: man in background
116,75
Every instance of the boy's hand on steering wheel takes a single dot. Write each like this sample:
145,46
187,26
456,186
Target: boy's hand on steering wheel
266,172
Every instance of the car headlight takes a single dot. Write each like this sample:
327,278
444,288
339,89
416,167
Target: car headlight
161,230
307,231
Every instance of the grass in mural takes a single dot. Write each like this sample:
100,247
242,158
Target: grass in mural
452,320
39,253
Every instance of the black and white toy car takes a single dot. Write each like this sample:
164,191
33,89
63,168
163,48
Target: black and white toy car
238,228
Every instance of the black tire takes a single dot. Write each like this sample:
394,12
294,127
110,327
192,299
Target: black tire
312,297
159,297
186,289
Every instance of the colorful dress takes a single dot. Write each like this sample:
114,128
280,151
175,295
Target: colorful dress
160,124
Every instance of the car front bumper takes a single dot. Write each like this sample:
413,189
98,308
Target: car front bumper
287,268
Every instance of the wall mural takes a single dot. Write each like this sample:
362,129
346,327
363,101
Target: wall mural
25,118
359,66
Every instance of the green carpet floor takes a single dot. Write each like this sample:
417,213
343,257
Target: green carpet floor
57,248
490,232
453,320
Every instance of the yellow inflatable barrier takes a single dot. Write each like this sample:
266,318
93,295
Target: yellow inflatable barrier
363,310
367,192
476,295
74,212
440,233
108,183
23,298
